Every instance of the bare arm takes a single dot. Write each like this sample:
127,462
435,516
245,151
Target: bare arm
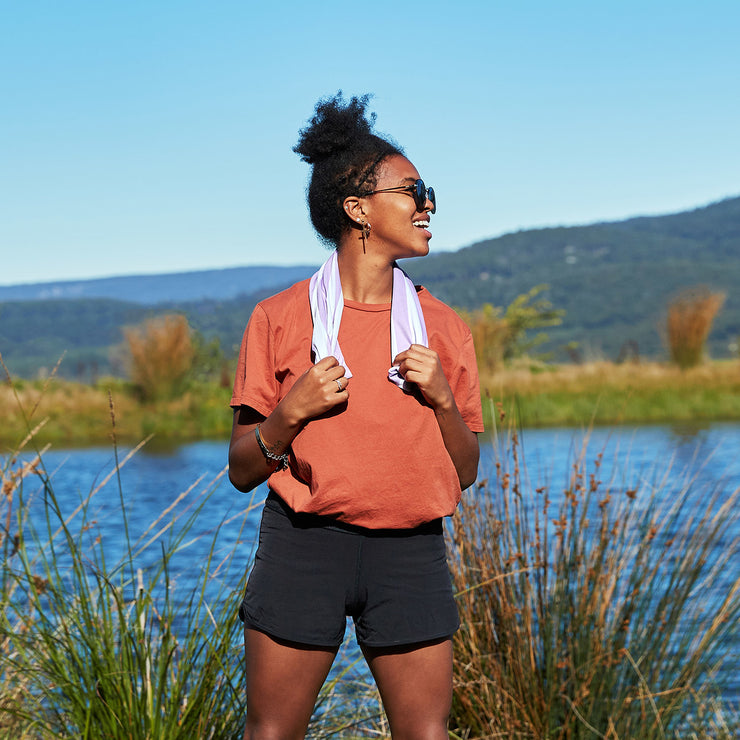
314,393
421,365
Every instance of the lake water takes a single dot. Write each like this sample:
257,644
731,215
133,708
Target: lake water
651,458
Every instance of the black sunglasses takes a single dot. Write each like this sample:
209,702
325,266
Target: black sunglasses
418,191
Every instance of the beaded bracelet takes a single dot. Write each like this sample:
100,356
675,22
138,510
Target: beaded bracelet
281,459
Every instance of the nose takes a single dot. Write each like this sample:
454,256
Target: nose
430,201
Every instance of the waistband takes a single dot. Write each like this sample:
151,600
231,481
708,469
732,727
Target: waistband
304,520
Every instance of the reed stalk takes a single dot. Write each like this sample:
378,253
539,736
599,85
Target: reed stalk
123,649
144,646
602,610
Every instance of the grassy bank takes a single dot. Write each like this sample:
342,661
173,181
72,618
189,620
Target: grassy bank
593,612
75,414
535,395
606,393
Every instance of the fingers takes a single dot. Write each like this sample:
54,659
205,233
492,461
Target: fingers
322,387
417,359
327,383
421,365
415,352
329,372
327,362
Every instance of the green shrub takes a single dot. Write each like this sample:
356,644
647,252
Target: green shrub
501,335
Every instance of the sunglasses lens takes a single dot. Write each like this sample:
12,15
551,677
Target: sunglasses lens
421,194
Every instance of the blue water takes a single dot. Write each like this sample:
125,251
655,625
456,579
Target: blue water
654,459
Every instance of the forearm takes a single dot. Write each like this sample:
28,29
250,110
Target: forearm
317,391
460,442
248,464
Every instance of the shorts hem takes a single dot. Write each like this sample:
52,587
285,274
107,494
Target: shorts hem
401,643
278,635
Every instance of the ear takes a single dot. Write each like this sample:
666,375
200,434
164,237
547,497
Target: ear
353,207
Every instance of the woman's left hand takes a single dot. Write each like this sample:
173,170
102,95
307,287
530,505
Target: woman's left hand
419,364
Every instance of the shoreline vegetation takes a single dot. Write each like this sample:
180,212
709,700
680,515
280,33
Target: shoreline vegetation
601,609
534,394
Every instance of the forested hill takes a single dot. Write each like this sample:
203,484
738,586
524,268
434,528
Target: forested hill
612,279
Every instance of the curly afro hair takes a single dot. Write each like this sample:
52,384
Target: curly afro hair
345,155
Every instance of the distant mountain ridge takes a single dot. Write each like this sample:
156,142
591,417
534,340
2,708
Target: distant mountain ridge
613,279
162,288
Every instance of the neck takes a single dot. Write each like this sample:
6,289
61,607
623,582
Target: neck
366,278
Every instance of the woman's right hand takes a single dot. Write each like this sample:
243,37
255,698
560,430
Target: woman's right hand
314,393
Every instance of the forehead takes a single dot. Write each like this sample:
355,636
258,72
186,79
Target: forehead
396,170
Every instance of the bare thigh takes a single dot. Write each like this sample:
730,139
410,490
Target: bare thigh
415,684
283,680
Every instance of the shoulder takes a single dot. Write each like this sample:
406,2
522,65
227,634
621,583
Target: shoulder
286,311
285,301
439,315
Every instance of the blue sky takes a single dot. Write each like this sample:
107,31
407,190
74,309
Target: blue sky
141,137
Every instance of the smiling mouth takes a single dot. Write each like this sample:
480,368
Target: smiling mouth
422,224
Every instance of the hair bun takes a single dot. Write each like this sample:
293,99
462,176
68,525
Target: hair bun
336,127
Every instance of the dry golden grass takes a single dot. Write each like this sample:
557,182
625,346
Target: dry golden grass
594,376
544,395
69,413
62,411
160,353
690,318
597,610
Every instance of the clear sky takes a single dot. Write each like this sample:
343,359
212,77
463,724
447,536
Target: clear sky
156,136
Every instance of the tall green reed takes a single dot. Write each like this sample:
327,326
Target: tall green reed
589,617
147,644
94,649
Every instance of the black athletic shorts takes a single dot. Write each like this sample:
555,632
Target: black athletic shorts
312,572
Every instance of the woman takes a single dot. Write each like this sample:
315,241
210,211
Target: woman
357,396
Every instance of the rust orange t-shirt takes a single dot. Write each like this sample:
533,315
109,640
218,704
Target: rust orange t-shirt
379,461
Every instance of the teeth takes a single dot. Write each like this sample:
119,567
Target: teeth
421,224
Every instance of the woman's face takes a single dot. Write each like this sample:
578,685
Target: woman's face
397,228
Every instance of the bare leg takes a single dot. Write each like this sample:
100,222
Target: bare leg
283,681
415,683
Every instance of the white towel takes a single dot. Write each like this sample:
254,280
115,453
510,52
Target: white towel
327,303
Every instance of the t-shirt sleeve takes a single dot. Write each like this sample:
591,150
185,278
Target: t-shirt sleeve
466,386
255,383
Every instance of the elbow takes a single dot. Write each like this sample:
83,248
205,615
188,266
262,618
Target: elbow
240,477
240,484
468,473
467,478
